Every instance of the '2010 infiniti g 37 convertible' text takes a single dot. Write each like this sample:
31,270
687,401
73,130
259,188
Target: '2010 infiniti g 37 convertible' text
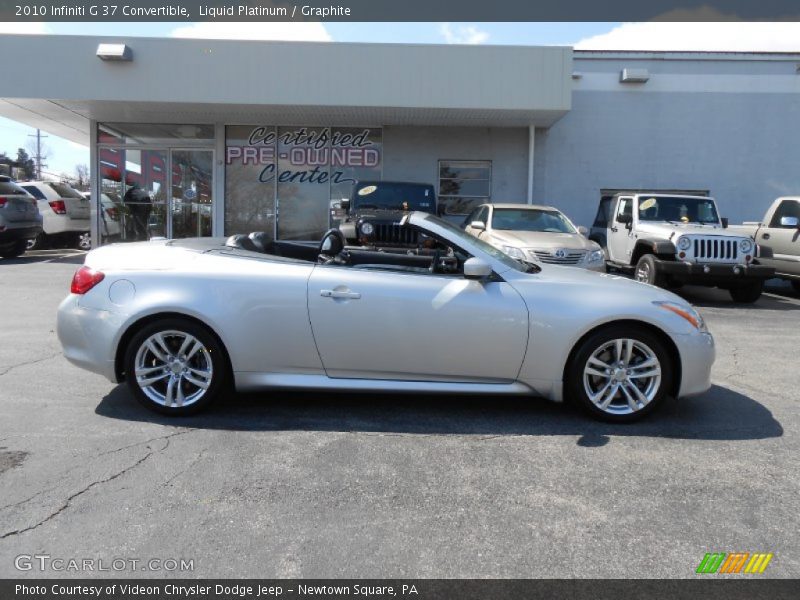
179,320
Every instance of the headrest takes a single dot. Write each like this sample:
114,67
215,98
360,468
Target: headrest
241,241
261,239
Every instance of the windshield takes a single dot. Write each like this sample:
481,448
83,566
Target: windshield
677,209
394,196
531,219
459,235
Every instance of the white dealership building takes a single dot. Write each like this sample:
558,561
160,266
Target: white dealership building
236,136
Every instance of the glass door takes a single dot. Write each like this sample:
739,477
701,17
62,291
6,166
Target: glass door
192,192
144,203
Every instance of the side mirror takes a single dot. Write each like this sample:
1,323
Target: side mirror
791,222
345,204
625,219
480,225
475,268
724,221
583,230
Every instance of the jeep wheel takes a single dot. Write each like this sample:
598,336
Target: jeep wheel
747,294
647,271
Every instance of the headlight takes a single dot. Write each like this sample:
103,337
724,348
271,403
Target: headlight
684,311
745,246
595,256
367,228
684,243
513,252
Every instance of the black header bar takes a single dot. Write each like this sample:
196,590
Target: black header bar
399,10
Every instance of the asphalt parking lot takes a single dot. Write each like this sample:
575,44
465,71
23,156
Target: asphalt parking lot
298,485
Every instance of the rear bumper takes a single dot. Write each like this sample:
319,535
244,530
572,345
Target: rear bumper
64,224
714,274
88,336
20,233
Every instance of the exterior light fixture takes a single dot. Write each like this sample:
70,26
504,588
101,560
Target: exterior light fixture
119,52
634,76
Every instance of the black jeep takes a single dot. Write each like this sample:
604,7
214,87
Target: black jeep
374,209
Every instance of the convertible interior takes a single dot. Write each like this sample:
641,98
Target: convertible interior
430,256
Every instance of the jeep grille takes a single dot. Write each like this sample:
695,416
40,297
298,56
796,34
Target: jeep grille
716,249
390,233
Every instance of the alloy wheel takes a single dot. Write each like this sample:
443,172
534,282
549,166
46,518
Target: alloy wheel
622,376
173,368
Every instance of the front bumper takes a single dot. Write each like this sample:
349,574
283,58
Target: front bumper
697,354
20,233
714,274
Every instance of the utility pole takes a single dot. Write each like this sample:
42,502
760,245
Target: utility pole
38,157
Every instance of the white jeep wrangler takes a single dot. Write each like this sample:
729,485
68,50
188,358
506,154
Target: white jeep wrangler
668,240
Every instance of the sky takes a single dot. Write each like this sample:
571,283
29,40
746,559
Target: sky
64,155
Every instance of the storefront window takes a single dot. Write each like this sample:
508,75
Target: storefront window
148,188
464,184
289,181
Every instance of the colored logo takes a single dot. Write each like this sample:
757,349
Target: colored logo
734,562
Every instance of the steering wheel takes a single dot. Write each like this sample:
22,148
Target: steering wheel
330,246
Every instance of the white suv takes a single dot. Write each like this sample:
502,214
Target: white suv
64,211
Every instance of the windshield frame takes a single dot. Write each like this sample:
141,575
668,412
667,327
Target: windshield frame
469,242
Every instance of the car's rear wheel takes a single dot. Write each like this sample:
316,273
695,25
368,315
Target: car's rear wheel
37,243
747,294
175,367
647,271
620,374
14,250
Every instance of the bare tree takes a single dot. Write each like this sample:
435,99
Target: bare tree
82,177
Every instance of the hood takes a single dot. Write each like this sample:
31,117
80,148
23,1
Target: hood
543,240
378,214
594,286
664,229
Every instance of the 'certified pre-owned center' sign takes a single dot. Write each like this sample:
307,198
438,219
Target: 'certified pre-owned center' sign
284,180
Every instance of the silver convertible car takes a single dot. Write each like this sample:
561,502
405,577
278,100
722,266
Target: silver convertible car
180,320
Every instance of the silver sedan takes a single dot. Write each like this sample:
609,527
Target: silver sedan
179,320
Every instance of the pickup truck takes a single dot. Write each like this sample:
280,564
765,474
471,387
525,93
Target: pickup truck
778,236
671,239
375,208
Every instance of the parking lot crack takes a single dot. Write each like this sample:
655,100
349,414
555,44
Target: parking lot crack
28,363
68,502
149,441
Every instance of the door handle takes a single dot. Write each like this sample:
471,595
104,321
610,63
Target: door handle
340,294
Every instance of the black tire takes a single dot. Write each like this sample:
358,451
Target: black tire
619,410
15,250
647,271
747,294
796,286
37,243
212,351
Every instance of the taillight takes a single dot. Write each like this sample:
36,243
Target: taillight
34,203
85,279
58,207
112,213
3,201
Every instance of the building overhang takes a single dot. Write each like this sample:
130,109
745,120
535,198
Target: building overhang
282,83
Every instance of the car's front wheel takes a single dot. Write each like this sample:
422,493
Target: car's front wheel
620,373
175,366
